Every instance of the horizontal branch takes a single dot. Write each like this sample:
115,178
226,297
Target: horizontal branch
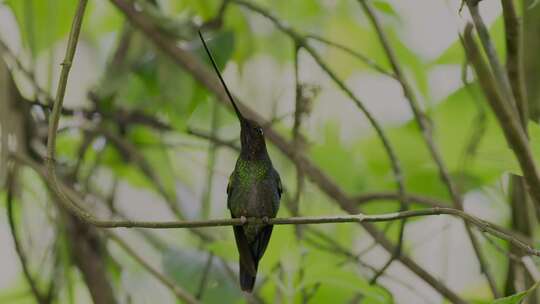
76,208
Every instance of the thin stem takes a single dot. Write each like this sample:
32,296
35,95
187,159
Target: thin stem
352,218
489,48
508,120
62,83
297,139
212,151
133,155
26,72
427,134
205,275
40,298
366,60
57,108
514,58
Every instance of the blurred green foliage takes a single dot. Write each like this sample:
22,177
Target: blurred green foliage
471,142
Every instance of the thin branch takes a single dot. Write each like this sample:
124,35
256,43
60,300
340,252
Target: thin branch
297,139
427,134
206,78
40,298
489,48
333,247
57,107
298,142
216,140
366,60
133,155
26,72
211,155
354,218
205,275
508,120
217,21
514,58
178,291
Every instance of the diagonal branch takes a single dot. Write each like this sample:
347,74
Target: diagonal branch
509,121
427,134
40,298
500,76
366,60
483,225
178,291
203,75
515,68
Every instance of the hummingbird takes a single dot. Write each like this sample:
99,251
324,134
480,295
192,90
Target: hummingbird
254,190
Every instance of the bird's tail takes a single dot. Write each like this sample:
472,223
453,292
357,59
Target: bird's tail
247,280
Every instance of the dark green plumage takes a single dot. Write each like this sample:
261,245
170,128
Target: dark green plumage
254,190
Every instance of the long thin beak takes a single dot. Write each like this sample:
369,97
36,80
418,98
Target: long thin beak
238,113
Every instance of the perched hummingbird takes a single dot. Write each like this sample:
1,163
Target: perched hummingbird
254,190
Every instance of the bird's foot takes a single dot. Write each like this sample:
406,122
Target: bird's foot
243,220
265,220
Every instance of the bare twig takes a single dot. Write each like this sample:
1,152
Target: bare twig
217,141
26,72
334,247
57,106
132,154
40,298
366,60
427,133
499,73
205,275
297,139
354,218
506,115
514,58
217,21
212,151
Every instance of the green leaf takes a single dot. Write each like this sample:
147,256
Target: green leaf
385,7
517,298
130,173
187,267
340,29
237,23
339,282
155,152
336,159
42,23
455,120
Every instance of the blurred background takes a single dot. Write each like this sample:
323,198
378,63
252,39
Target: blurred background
141,138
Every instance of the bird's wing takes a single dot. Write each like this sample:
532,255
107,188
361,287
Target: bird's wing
279,185
229,189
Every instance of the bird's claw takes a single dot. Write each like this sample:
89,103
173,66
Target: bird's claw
265,220
243,220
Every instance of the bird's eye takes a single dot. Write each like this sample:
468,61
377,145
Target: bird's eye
260,130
